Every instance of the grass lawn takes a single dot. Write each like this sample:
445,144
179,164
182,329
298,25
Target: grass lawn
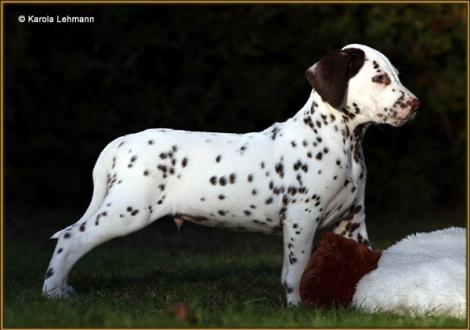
225,279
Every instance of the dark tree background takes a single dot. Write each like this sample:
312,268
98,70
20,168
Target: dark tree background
72,88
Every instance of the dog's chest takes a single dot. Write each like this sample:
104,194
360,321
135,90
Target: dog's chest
350,188
329,162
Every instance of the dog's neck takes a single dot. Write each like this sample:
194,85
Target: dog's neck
317,114
317,111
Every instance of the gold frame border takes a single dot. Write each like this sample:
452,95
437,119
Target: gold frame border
211,2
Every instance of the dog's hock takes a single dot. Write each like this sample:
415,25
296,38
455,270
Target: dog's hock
57,234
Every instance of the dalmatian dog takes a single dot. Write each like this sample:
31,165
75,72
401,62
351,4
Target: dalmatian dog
291,179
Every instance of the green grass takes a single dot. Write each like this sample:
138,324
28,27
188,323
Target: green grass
226,279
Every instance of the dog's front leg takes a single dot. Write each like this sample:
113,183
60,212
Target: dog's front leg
299,228
354,227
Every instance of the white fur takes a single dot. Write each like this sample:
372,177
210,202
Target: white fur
423,274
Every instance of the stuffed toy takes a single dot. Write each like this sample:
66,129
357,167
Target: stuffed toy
423,274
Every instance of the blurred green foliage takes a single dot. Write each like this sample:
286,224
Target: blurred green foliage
71,88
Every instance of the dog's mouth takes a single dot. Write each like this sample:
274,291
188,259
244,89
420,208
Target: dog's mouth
398,121
411,116
406,118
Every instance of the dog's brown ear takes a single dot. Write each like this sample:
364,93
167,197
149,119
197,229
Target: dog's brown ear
330,76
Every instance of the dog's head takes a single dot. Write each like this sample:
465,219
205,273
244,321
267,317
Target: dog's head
362,81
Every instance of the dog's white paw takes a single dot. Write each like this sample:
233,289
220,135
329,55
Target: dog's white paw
63,292
293,300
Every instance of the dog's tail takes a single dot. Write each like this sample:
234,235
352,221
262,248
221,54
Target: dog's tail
100,187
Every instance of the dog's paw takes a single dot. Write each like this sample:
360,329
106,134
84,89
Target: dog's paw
63,292
293,300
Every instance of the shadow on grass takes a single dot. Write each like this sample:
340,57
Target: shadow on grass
226,279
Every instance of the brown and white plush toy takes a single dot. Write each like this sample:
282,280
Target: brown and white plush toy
423,274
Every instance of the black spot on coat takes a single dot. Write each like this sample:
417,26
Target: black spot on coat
50,272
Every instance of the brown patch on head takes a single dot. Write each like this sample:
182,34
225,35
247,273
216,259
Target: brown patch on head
330,76
333,271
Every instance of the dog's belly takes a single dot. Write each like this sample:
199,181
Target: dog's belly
268,225
234,207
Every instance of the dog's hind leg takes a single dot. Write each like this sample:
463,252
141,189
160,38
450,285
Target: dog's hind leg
122,212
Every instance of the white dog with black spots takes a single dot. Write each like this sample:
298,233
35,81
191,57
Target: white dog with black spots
292,178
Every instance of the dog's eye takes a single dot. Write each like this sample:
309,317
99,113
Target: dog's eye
382,78
379,79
